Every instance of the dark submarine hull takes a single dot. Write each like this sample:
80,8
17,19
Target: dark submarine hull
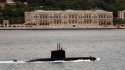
59,54
64,59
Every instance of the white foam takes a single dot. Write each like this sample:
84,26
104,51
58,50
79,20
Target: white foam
1,62
81,61
59,61
36,62
98,59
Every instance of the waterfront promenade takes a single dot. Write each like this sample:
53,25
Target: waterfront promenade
57,28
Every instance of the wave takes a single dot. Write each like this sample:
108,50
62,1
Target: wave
59,61
1,62
98,59
62,61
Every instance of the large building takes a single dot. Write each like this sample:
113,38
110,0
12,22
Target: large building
69,18
10,1
121,14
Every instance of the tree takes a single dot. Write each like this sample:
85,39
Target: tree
118,21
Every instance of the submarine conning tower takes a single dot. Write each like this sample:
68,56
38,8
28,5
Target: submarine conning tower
59,53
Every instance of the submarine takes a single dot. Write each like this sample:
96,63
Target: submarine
59,54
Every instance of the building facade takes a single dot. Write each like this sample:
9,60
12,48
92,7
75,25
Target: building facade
69,18
121,14
10,2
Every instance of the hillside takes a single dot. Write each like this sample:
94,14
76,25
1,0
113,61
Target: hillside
19,8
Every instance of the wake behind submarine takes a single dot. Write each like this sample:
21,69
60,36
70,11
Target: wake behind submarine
59,54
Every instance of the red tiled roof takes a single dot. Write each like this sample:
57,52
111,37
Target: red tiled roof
2,4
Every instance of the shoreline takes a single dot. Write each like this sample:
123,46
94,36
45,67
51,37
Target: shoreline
59,28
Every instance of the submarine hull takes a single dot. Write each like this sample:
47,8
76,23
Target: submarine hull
65,59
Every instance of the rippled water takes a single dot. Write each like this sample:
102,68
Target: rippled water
108,45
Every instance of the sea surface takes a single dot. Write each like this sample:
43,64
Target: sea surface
23,45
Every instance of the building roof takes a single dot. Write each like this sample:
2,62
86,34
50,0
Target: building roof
39,11
10,1
44,11
2,4
73,11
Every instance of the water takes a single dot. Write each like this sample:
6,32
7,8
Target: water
108,45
